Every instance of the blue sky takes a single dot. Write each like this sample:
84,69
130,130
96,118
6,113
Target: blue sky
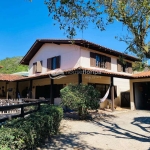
22,22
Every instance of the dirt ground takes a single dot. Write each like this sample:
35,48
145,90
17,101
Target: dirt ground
120,130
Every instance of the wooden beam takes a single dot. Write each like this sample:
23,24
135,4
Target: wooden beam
51,92
112,94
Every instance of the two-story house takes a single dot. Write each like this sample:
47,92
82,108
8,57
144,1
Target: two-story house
81,61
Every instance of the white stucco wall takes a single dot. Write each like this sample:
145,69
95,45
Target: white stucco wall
70,56
123,85
114,64
85,60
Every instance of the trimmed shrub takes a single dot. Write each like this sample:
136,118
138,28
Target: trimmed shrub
81,97
30,132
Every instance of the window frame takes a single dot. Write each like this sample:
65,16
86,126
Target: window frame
100,61
50,63
127,67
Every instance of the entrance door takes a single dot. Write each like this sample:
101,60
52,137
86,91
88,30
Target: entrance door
142,95
125,99
146,95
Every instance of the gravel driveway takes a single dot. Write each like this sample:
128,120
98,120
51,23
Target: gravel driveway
113,131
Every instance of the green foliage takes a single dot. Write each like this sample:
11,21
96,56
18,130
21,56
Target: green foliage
11,65
134,14
78,14
80,97
30,132
139,66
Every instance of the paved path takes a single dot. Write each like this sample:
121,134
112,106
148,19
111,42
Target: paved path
120,131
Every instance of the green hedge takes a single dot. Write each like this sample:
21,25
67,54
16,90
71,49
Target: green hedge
30,132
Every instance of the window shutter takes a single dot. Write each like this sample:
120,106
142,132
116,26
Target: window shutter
49,64
130,68
92,59
39,66
34,68
108,63
102,58
119,66
58,62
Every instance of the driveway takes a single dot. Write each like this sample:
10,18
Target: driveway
111,131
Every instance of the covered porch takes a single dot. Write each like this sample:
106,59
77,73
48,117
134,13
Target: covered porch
43,87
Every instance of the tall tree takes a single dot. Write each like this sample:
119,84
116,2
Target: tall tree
134,14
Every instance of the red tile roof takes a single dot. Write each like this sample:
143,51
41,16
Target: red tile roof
83,43
84,70
9,77
142,74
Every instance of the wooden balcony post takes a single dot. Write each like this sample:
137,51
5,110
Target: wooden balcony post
30,89
51,92
112,94
17,83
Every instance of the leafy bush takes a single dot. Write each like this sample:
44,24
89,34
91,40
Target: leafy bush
29,132
80,97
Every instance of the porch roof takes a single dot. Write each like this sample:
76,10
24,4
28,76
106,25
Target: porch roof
79,70
142,75
9,77
80,42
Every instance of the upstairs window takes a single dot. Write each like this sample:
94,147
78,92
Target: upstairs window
101,61
53,63
37,67
124,67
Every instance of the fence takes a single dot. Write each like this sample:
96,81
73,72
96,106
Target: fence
15,109
8,102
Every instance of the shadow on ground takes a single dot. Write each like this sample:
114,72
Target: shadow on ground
70,142
91,116
143,123
120,132
107,122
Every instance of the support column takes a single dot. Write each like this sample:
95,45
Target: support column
112,94
17,83
79,78
51,92
7,86
30,89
